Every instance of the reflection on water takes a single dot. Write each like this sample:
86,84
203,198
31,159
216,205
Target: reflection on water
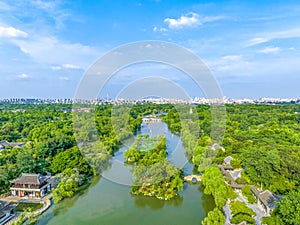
110,203
153,204
143,202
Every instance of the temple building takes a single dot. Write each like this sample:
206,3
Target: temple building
31,185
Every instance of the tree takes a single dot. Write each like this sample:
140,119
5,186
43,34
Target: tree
213,181
214,217
248,194
289,208
261,165
132,155
68,184
71,158
240,212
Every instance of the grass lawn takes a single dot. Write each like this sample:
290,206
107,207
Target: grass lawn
24,205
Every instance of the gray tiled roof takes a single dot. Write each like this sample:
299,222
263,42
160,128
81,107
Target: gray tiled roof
254,191
4,143
268,199
28,178
228,159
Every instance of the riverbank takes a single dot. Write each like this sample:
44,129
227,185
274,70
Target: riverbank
106,200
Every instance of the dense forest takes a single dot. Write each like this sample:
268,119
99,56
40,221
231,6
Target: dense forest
51,139
262,139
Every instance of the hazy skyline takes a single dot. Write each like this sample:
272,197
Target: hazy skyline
252,47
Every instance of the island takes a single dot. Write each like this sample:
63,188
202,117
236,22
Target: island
153,174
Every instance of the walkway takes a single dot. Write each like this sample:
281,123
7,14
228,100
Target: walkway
259,212
233,176
193,178
227,212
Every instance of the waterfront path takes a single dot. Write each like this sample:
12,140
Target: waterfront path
46,201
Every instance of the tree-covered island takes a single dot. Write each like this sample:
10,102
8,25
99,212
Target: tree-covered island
153,174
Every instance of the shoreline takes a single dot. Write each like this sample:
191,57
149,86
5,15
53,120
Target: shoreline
46,201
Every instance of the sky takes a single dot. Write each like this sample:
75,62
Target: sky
252,47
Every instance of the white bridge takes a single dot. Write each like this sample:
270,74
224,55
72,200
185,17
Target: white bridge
193,178
148,120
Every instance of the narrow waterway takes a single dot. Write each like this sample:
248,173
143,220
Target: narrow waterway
107,201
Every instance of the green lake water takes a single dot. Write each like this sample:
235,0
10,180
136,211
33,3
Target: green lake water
107,202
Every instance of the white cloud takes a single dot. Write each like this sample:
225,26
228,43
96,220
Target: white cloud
270,49
232,57
64,78
229,65
53,51
267,37
53,9
11,32
56,67
256,41
162,29
23,76
70,66
187,20
65,66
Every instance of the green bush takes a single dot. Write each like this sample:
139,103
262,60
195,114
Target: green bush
248,194
241,180
240,212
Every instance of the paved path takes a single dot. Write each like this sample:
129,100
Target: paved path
227,212
46,201
259,213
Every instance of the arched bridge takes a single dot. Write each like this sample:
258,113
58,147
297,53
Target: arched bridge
193,178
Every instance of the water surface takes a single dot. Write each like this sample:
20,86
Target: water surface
106,202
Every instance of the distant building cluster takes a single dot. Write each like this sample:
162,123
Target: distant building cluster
119,101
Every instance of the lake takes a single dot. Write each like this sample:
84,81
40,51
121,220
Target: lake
107,200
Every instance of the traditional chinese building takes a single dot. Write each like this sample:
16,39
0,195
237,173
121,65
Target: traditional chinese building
31,185
266,199
4,144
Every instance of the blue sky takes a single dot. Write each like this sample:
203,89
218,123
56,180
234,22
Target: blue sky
252,47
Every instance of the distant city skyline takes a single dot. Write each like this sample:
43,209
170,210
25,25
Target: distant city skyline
251,47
